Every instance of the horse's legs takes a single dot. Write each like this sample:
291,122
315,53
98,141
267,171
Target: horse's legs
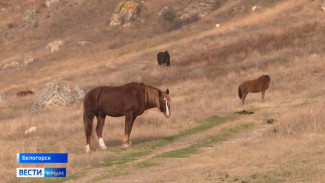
262,95
245,92
129,118
88,120
130,127
99,130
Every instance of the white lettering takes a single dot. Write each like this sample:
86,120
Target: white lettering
34,158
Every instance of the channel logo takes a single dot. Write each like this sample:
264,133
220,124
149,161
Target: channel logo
41,172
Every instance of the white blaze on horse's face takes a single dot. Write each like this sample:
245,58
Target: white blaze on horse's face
167,109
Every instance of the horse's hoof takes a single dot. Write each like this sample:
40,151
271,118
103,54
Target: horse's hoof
126,145
102,147
87,149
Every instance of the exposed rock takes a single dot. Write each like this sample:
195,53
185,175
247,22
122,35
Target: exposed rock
164,10
3,97
167,13
31,130
28,60
217,25
10,65
29,14
57,93
323,5
55,46
50,2
124,12
254,8
83,43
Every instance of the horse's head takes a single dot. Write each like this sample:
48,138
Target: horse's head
164,102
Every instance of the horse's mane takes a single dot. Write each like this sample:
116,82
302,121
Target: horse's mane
133,87
151,96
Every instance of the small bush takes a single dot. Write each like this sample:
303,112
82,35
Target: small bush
169,14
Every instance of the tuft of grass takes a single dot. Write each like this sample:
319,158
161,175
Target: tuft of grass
180,153
145,164
124,159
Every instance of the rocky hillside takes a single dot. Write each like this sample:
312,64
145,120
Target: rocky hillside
214,45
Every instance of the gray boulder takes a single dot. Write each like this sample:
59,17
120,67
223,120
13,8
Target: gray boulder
57,93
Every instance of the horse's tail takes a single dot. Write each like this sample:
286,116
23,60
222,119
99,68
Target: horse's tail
85,115
239,93
87,119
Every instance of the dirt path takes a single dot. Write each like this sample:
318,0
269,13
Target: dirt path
128,173
150,174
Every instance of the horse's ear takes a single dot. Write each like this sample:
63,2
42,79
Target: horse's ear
167,91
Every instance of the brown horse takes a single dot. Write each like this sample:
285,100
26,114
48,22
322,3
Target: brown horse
129,100
258,85
24,93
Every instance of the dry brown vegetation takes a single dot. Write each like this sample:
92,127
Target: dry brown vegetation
284,39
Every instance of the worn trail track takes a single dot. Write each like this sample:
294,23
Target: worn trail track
148,174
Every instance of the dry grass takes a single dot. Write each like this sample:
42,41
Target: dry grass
284,40
291,154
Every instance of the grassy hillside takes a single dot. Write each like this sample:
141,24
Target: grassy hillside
284,39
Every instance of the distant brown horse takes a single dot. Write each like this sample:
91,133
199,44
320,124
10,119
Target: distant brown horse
24,93
129,100
258,85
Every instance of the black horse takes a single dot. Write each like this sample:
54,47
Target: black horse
129,100
163,58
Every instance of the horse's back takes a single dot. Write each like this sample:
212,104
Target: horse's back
115,100
256,85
